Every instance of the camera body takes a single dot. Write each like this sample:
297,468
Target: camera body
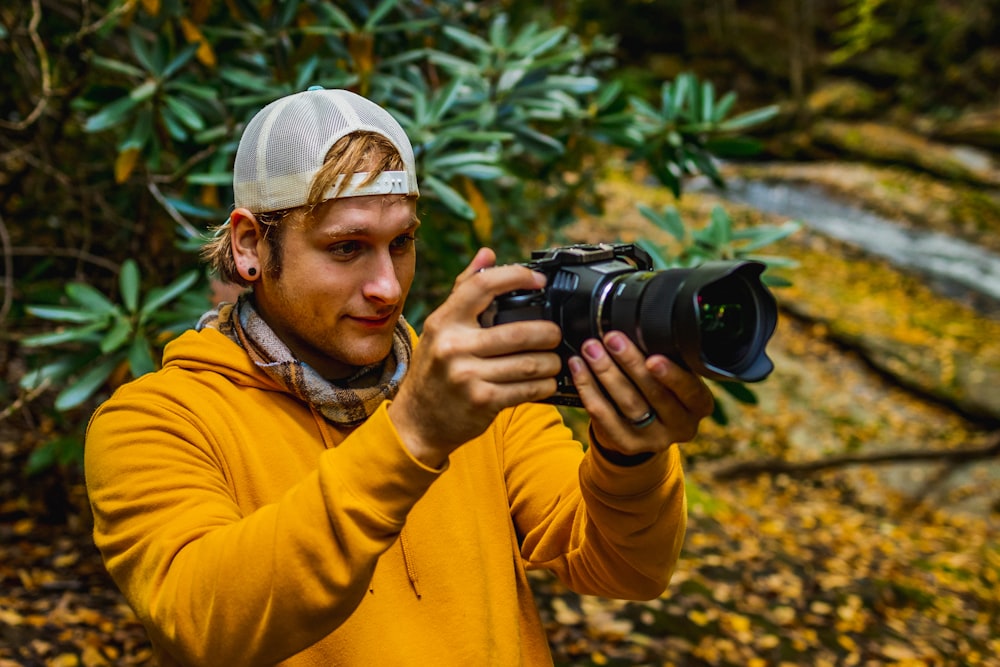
714,319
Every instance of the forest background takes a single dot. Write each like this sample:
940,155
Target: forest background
842,512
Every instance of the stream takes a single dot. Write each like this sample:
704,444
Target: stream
956,268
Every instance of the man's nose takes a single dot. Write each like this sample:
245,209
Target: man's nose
382,282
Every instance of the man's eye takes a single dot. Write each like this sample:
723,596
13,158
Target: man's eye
403,242
345,248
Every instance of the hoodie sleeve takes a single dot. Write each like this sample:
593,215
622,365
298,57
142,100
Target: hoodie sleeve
603,529
215,586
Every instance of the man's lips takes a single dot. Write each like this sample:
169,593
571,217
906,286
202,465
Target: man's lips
375,321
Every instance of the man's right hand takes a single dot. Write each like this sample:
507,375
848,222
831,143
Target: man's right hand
462,375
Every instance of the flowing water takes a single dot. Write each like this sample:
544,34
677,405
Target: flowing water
957,268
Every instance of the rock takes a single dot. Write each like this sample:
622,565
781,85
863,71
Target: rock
977,129
888,144
926,342
843,99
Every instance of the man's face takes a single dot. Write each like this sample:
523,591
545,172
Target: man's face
345,273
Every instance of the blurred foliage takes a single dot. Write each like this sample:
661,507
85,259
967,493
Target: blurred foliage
926,55
123,120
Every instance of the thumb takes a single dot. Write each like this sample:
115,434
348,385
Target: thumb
484,259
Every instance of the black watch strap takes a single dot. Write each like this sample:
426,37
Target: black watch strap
617,458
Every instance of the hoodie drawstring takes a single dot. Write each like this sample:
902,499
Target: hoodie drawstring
411,571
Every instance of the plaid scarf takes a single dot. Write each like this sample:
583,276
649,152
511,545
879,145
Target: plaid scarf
346,404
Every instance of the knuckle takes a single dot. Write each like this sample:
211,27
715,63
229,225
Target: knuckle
481,395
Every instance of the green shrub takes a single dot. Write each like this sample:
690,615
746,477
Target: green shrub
512,126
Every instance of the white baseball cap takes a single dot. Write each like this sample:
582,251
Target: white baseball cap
285,144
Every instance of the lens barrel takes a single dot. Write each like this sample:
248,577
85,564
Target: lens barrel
715,319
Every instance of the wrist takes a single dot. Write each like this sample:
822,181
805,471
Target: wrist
618,458
417,446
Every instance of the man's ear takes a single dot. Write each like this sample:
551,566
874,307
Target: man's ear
247,238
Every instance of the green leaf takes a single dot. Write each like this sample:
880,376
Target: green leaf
758,237
128,281
538,142
467,39
158,297
219,178
720,227
87,384
306,73
117,335
543,42
185,113
247,81
333,14
445,99
78,335
67,450
111,115
733,147
55,371
499,32
379,13
578,85
608,93
195,210
89,297
719,415
707,104
659,261
669,220
739,391
64,314
675,96
141,132
117,66
140,357
450,198
182,59
749,119
723,106
142,52
173,124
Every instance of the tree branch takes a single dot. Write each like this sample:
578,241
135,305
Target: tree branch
8,271
43,66
777,466
33,251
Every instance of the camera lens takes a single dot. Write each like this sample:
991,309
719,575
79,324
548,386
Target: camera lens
715,319
724,319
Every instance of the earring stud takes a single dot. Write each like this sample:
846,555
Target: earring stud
252,271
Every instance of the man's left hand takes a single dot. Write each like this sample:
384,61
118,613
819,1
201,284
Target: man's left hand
651,402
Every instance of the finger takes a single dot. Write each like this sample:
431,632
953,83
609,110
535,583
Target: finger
630,402
514,337
628,357
689,389
477,291
484,259
520,367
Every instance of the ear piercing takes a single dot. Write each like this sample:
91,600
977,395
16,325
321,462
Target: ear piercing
252,271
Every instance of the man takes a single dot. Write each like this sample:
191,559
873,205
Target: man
305,483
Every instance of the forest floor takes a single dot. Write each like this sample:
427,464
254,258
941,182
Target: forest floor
896,564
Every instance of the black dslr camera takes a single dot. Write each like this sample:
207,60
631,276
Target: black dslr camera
714,319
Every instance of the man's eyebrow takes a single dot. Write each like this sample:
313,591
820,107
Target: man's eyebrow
364,230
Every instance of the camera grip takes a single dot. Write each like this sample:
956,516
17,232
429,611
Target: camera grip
514,307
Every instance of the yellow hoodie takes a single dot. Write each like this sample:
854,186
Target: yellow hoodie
244,529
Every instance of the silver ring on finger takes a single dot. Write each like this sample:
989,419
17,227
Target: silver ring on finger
643,420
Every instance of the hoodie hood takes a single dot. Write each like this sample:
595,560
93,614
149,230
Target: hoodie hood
210,350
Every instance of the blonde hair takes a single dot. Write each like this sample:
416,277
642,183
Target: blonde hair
355,152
